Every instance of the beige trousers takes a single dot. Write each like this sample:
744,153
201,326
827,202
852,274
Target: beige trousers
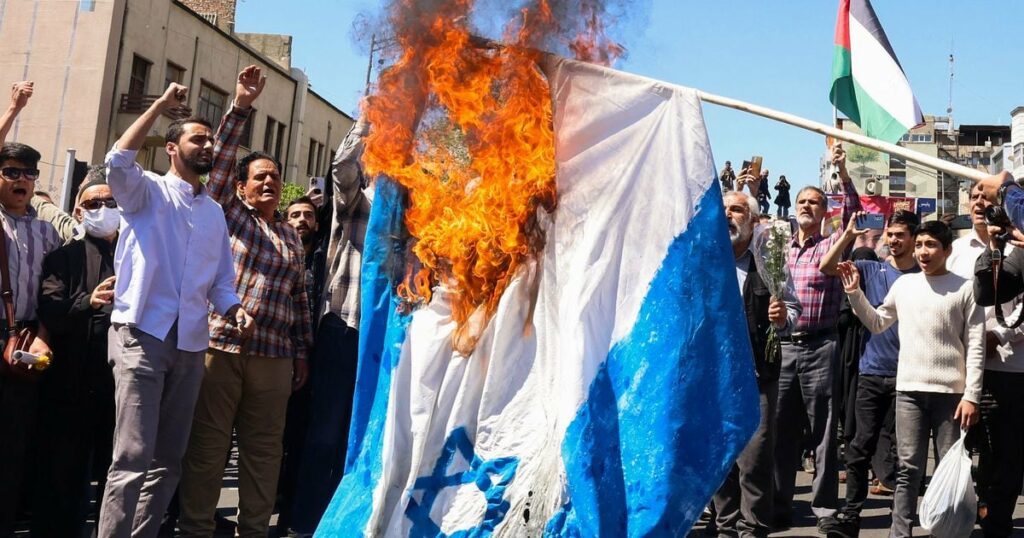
251,393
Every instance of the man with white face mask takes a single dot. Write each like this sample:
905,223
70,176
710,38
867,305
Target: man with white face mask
744,501
76,395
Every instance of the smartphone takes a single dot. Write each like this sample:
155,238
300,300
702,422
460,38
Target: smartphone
961,222
871,221
755,166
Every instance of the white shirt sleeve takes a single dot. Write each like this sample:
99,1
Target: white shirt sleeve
128,183
875,319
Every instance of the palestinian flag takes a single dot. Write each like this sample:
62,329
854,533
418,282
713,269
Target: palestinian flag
868,83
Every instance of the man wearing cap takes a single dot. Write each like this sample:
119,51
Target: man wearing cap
76,411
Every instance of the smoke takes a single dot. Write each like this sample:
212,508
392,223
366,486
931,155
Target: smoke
590,30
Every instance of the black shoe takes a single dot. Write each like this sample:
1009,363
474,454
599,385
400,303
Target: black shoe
845,526
826,524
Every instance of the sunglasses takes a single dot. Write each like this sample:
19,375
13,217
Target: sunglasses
96,203
12,173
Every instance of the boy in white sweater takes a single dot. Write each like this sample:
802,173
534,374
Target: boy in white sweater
941,359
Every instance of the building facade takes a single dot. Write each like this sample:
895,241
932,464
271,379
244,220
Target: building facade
98,64
975,146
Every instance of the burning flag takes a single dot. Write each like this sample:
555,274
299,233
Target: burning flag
566,355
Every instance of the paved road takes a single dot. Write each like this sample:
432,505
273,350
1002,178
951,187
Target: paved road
875,518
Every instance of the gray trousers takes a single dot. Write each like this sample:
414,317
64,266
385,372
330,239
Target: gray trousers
744,501
918,416
806,385
156,386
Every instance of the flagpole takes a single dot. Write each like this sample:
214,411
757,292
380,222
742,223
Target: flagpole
920,158
846,136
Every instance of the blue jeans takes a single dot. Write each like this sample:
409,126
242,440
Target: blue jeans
332,380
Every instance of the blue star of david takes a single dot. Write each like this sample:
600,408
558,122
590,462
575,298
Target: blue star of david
479,473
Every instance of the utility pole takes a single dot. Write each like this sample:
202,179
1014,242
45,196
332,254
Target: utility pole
376,46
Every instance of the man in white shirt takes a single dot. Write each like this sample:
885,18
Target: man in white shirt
172,261
999,436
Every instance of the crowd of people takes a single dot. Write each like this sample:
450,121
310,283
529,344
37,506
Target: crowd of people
762,194
168,316
882,351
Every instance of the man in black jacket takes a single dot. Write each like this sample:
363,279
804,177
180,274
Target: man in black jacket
744,501
76,401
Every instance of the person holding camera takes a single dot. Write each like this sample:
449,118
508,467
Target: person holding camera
1000,434
939,377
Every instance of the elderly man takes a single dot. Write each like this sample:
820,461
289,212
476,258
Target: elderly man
248,381
744,501
76,412
809,358
173,261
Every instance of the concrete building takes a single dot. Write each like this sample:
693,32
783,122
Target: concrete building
887,175
1017,141
98,64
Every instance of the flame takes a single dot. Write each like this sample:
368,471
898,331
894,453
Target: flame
468,132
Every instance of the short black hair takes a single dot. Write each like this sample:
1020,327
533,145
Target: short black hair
907,218
242,171
300,200
177,128
13,151
938,230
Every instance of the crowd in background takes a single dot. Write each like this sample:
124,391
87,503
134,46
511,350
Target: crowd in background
883,350
168,317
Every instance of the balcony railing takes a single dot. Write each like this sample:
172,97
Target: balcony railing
133,103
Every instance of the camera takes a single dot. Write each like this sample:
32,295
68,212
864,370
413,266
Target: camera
996,216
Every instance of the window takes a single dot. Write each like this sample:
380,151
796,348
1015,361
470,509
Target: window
212,103
921,138
246,141
173,73
270,135
315,161
140,76
279,148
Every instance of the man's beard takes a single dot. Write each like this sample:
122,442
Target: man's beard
805,220
306,238
739,232
199,168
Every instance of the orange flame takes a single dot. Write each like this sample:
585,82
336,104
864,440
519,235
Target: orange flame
468,132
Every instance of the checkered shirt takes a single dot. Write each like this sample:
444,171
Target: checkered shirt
351,213
270,271
820,295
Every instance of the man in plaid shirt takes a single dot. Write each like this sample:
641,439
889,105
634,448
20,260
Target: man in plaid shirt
248,382
809,357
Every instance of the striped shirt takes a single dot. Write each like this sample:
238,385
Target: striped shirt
29,240
270,271
348,229
819,294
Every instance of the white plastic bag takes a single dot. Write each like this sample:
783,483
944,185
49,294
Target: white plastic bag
950,505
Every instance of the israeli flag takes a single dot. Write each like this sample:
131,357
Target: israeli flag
614,386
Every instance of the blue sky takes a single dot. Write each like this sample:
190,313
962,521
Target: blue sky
777,54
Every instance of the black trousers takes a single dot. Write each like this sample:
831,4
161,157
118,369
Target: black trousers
743,504
999,437
18,400
74,446
876,399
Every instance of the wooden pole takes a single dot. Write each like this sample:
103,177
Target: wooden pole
846,136
796,121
